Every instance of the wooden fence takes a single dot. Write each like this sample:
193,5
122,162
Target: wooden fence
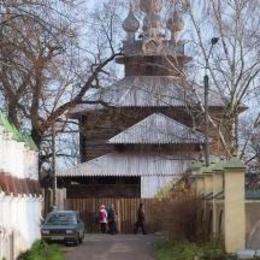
126,209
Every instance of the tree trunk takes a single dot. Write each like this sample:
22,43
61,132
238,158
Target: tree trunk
230,125
12,112
36,136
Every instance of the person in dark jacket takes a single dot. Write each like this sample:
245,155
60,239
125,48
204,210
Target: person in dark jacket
111,215
140,219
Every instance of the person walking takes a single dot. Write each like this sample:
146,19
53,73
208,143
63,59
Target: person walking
140,219
103,218
111,219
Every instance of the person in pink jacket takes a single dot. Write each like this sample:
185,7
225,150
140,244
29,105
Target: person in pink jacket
103,218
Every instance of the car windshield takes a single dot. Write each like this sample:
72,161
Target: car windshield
61,219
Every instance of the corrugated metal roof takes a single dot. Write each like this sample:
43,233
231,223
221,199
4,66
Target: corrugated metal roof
158,129
122,164
144,91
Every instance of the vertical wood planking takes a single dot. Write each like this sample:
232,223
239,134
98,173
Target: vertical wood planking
126,208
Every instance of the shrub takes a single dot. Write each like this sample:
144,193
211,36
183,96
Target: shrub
191,251
42,251
175,213
177,251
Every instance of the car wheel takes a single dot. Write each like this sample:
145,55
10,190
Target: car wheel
80,240
77,240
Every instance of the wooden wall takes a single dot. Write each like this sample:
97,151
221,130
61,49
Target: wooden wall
126,209
153,66
99,126
101,187
104,190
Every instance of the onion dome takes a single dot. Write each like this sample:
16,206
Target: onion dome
149,6
152,20
175,23
131,23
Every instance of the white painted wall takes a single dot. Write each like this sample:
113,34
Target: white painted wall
16,158
151,185
20,216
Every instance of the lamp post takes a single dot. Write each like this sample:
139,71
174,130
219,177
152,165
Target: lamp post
54,164
206,103
57,127
206,100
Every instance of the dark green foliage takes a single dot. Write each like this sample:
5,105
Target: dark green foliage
191,251
42,251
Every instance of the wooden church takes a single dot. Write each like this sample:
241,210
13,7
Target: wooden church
142,136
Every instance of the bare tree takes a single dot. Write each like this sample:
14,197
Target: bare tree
45,68
234,66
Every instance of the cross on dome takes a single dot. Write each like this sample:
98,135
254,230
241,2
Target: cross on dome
154,35
175,24
151,6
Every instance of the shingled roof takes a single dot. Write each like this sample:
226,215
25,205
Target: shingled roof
158,129
143,91
129,164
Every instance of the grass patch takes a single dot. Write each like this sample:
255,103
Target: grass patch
42,251
190,251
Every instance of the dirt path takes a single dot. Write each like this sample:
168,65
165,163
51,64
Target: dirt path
118,247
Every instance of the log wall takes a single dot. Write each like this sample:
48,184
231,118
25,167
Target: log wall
99,126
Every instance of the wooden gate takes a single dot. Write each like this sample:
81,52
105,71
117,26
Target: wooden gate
126,209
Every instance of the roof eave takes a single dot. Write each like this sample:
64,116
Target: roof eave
78,115
156,143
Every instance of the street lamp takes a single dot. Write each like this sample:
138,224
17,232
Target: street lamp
53,148
56,128
214,41
206,100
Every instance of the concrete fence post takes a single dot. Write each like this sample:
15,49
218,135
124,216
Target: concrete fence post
199,185
234,193
208,180
218,186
